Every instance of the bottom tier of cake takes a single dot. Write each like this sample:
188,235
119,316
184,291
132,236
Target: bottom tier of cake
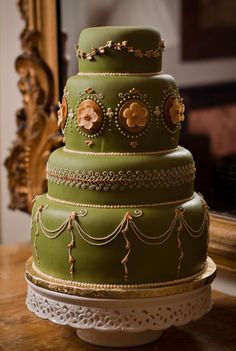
135,247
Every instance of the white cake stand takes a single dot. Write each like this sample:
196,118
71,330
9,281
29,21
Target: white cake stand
123,322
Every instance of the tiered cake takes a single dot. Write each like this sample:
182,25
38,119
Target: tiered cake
120,211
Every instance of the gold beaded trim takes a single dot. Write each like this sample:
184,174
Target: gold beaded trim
119,74
30,265
156,204
70,287
120,46
93,153
121,180
117,286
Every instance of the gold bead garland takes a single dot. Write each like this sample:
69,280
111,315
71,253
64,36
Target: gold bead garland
126,226
119,47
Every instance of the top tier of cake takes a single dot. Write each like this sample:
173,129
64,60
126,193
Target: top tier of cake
120,49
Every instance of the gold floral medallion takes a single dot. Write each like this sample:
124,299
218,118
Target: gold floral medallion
89,116
62,113
174,111
134,116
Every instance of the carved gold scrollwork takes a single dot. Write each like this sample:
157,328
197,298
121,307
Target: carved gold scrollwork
37,131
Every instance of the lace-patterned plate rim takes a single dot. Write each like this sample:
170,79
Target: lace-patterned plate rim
105,322
111,291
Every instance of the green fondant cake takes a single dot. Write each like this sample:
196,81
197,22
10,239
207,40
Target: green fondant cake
120,209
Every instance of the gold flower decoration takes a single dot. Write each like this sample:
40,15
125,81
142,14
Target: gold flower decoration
134,116
177,111
62,113
173,111
89,116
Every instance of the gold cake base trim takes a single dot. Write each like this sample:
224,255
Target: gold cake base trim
205,277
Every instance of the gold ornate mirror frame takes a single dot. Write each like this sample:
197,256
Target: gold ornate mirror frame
37,131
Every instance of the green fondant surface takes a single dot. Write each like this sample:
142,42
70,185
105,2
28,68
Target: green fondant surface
62,161
102,264
143,38
155,244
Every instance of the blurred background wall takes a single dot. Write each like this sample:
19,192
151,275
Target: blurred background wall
14,225
162,14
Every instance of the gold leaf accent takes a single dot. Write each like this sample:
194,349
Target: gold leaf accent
90,143
89,90
101,50
157,111
109,112
134,91
138,53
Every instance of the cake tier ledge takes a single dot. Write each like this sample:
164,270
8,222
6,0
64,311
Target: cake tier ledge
120,179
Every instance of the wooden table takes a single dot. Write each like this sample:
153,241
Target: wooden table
22,330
